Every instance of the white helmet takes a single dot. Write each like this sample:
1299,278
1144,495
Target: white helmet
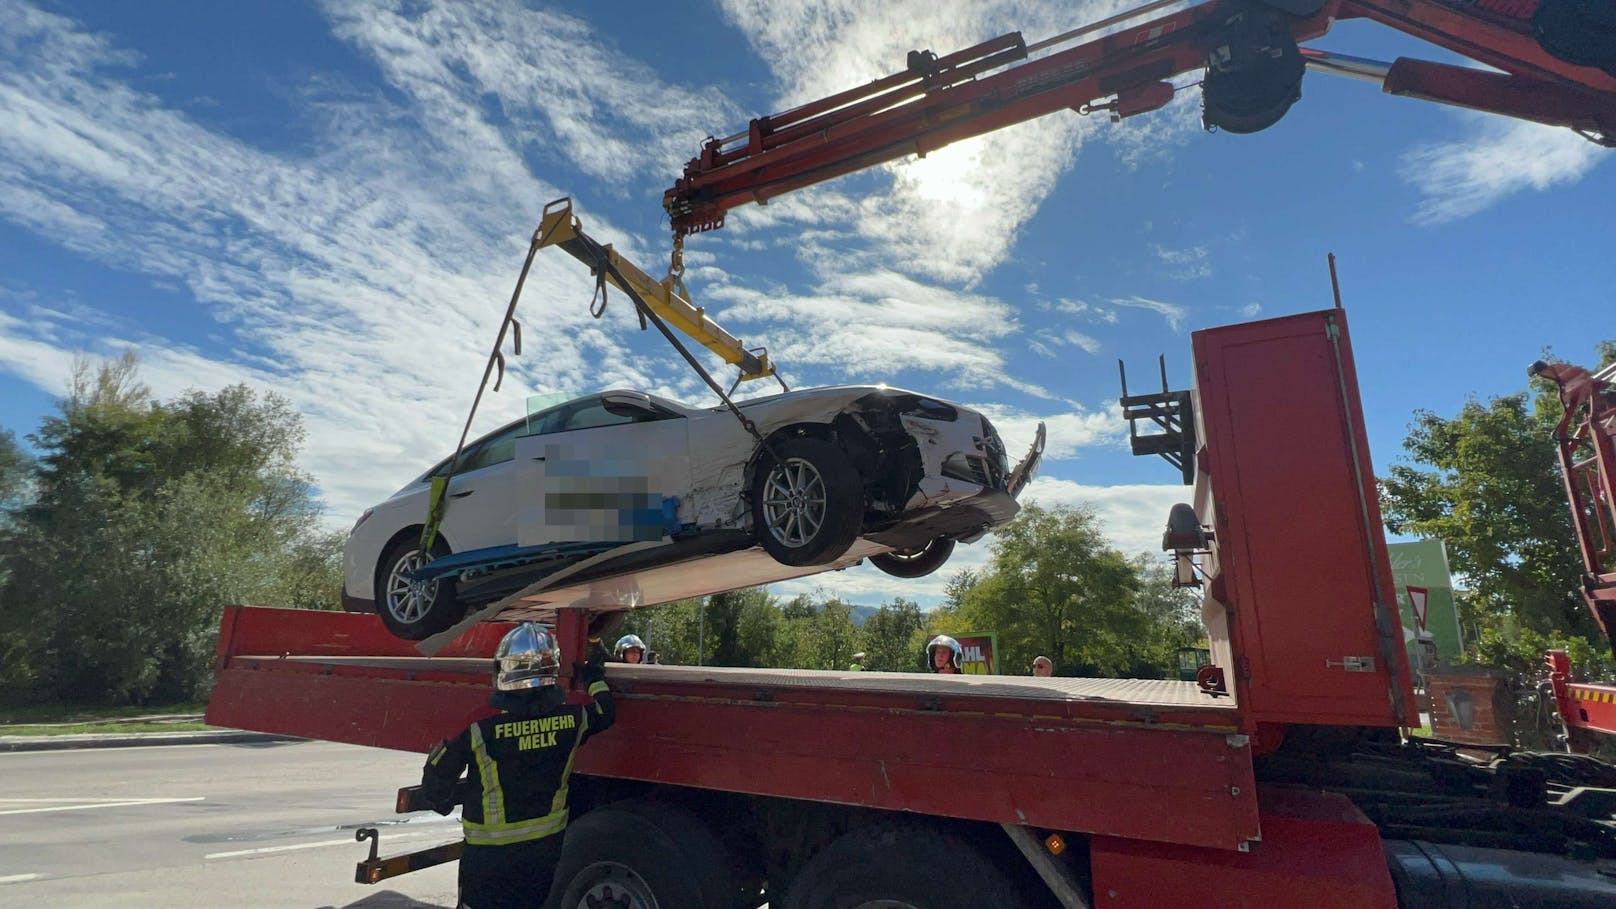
956,654
628,642
527,657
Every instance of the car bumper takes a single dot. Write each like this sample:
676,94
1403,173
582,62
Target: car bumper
351,603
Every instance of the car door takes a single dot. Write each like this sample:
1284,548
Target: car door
599,469
480,507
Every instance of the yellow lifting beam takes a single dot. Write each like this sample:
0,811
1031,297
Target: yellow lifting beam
560,227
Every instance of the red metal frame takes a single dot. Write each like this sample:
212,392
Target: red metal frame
1583,708
969,93
1585,440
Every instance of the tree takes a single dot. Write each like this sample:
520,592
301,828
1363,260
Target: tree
1055,587
16,473
1487,483
146,518
888,637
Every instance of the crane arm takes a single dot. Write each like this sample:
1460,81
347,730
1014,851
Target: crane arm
1250,52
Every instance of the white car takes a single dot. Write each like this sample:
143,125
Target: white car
903,474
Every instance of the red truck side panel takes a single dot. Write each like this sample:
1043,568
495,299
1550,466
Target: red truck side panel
1157,765
1317,851
1299,556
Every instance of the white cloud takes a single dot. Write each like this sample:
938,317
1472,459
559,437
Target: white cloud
1498,159
872,325
362,280
1172,312
1066,432
1184,264
1131,516
953,215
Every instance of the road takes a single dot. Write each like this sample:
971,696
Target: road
211,825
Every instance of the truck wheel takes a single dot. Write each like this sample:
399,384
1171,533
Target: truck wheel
915,563
894,864
414,610
643,855
807,507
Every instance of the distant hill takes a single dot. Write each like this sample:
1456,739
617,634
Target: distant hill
859,613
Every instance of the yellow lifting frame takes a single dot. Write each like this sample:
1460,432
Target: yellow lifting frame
559,227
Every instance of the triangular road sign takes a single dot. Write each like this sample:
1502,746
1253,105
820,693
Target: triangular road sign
1417,596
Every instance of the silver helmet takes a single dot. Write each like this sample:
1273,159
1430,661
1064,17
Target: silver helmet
628,642
527,657
956,652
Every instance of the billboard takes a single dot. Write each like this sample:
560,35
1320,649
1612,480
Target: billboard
980,652
1425,597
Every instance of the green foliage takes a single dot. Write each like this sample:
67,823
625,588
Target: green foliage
1488,484
1054,587
146,518
16,473
889,637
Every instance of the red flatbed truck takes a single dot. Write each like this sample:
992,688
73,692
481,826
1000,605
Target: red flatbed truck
1281,777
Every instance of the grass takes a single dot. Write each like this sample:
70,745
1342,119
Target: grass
60,712
77,719
103,728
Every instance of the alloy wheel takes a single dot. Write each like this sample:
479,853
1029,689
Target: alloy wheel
794,502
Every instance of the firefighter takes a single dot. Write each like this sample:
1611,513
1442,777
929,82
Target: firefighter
517,763
944,655
630,649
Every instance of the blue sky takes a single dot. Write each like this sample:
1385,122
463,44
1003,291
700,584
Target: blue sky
331,200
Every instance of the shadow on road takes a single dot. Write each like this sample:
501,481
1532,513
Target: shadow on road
388,899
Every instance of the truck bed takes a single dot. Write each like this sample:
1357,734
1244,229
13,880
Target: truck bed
1145,759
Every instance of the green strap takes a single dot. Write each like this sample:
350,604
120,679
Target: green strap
435,504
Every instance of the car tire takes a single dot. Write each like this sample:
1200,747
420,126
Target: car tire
904,864
808,506
915,563
643,854
420,614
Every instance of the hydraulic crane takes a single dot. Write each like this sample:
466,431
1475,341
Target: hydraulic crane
1553,62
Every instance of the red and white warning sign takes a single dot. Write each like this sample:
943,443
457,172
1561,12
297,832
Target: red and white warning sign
1417,597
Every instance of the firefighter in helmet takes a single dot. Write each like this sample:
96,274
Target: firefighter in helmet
517,762
629,649
944,655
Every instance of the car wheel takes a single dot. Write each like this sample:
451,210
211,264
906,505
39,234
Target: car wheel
899,864
643,855
414,610
808,505
915,563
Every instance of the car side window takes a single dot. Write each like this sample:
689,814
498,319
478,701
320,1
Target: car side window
496,449
595,413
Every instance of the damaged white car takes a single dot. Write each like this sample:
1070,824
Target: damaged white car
840,473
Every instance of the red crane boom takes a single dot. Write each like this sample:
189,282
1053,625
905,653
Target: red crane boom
1556,62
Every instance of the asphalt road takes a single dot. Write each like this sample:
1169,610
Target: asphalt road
211,825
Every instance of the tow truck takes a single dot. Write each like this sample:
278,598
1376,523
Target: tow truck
1284,773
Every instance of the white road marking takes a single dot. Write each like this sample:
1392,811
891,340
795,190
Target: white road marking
19,878
266,850
114,803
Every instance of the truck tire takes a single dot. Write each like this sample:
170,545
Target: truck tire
807,507
915,563
901,864
414,615
643,855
